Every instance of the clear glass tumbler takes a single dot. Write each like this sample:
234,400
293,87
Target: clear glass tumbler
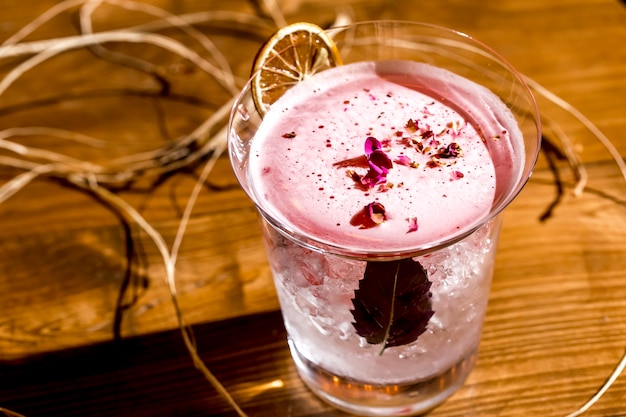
317,282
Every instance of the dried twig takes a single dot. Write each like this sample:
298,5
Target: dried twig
619,368
205,143
95,178
10,413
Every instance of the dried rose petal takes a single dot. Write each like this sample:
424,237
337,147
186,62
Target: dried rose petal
427,134
453,150
457,175
412,125
372,145
369,216
456,127
403,160
386,144
383,188
378,162
434,162
412,224
376,212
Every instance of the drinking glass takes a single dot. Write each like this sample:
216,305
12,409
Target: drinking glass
316,281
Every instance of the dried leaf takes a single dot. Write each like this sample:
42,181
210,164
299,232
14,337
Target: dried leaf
392,305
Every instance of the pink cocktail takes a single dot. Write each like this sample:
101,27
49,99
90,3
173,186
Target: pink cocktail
379,185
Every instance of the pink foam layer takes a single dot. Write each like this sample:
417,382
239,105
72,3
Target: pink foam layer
312,140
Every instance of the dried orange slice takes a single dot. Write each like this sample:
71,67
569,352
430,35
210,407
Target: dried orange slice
289,56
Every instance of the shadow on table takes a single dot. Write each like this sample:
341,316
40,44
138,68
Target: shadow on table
153,375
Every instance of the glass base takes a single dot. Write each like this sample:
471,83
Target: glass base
363,399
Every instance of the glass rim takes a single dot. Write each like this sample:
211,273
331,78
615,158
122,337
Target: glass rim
497,207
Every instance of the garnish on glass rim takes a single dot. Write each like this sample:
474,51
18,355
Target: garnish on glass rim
310,50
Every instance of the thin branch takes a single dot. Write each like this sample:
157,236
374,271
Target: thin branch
551,153
38,21
597,133
247,23
10,413
121,59
76,42
619,368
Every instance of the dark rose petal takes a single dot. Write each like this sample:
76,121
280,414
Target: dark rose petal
376,212
453,150
371,145
374,177
378,162
370,216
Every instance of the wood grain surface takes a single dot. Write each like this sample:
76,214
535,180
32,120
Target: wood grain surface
87,325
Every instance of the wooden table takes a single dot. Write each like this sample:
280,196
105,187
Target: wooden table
87,323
